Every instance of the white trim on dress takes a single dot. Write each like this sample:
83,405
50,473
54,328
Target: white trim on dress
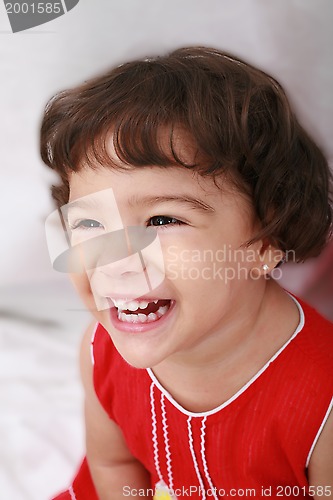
71,493
244,388
92,344
319,432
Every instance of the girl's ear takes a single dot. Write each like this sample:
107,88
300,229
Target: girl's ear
268,257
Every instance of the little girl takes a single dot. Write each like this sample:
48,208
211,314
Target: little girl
185,181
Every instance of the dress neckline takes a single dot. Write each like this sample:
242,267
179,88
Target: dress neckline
244,387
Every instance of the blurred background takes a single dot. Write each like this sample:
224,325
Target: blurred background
41,428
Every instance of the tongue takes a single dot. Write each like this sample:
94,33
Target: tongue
151,308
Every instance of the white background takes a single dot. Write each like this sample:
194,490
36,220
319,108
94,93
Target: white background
40,421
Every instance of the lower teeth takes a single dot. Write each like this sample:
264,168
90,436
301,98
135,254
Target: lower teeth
142,318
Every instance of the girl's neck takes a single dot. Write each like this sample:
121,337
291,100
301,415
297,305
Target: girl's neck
233,355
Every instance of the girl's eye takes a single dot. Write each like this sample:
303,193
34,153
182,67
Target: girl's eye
87,224
163,220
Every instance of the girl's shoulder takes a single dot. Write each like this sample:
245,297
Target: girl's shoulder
115,381
305,367
316,337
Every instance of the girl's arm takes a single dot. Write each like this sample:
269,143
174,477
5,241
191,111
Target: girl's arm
321,464
114,470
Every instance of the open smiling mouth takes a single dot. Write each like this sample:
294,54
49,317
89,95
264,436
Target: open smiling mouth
141,311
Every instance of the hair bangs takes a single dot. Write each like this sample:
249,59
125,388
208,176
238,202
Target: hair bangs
138,141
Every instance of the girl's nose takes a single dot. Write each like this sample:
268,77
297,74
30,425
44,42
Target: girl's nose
126,267
138,272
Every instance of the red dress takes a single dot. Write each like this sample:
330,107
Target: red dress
260,440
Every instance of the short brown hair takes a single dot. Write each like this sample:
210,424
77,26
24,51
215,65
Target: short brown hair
238,117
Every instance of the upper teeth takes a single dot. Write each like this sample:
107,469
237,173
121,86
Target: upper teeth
133,305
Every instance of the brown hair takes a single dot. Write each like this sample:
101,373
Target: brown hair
238,117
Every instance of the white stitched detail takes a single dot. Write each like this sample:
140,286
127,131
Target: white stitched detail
194,458
166,442
203,457
319,432
154,432
72,494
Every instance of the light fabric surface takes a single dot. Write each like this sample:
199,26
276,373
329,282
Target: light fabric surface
41,428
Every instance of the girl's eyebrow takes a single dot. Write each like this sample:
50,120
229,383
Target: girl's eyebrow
136,200
194,203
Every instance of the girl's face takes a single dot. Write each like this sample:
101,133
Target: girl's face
201,278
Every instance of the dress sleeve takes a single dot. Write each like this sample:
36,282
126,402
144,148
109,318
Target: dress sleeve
104,358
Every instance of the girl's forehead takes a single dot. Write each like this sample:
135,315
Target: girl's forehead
136,181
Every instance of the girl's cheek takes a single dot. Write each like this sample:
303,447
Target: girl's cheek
82,285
